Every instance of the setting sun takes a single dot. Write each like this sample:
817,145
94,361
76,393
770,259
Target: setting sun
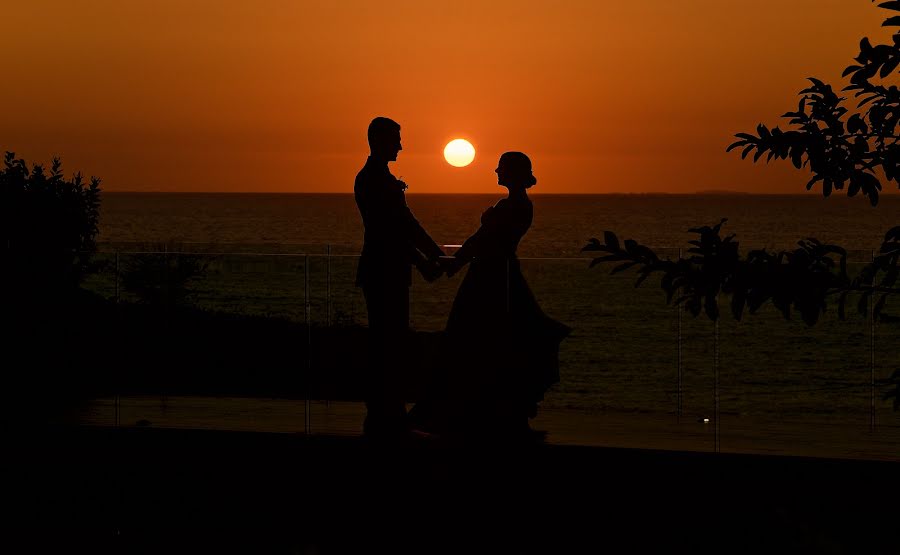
459,153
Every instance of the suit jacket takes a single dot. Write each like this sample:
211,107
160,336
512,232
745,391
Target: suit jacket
394,239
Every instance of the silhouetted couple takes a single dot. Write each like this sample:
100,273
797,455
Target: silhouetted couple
501,352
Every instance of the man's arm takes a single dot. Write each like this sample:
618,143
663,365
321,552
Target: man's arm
421,240
388,217
426,253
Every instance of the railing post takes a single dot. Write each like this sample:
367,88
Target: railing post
679,393
117,276
116,400
328,285
307,427
327,297
716,380
872,348
166,276
507,285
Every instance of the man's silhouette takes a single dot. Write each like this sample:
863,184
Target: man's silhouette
394,241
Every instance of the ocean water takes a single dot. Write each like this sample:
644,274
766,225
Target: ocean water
629,352
562,223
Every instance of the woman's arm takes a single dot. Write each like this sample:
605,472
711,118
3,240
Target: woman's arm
482,243
466,252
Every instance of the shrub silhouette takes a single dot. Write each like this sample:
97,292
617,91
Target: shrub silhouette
49,229
49,232
160,277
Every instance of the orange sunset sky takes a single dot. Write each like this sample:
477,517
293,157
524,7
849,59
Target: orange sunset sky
275,96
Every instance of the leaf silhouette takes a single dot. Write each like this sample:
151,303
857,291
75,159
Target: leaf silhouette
611,240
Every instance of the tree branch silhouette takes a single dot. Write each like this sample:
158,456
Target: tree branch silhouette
841,148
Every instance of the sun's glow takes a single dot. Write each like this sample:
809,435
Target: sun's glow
459,153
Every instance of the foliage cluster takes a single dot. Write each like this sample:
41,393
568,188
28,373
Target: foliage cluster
162,278
853,148
49,227
841,146
800,280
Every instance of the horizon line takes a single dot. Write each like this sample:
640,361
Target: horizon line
711,192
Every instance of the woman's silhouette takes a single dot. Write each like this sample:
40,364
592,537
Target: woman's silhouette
502,350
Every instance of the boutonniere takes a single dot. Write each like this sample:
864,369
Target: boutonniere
402,184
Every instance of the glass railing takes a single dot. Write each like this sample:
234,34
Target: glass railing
216,337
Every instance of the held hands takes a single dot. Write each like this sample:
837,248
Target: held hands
433,269
449,265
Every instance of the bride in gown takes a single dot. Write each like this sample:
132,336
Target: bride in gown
501,352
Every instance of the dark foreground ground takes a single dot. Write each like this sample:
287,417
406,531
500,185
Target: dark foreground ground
163,491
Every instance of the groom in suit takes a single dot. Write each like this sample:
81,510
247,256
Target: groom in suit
394,241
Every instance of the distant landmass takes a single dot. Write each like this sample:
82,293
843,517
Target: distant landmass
722,192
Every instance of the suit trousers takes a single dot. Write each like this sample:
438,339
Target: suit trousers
388,308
